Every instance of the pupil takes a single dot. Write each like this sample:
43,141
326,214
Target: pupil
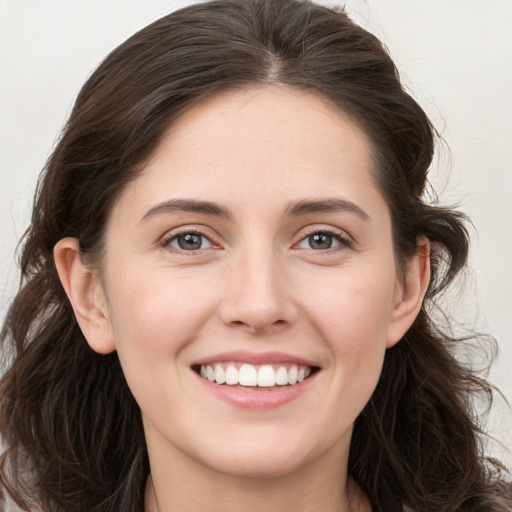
320,241
189,242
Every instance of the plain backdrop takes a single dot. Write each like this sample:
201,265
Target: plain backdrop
454,56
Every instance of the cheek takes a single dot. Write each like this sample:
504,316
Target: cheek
354,310
154,319
154,313
353,316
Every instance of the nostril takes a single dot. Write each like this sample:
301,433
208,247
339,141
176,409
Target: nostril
257,327
238,322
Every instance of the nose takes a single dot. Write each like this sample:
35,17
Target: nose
258,296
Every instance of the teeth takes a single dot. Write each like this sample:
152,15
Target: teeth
220,376
281,376
231,375
265,376
292,375
247,375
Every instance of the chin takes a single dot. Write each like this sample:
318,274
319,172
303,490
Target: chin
259,465
267,455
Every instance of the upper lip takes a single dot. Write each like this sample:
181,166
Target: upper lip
254,358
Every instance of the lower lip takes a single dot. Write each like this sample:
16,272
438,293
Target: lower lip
254,399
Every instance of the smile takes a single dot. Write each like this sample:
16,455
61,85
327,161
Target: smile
245,375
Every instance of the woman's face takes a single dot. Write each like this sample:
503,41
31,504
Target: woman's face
254,245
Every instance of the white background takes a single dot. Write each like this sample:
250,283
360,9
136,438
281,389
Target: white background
455,57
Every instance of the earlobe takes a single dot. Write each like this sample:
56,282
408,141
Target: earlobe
410,293
86,294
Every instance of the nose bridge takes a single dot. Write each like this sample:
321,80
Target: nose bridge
257,296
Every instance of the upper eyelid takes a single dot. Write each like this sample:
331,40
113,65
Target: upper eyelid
332,230
188,228
183,230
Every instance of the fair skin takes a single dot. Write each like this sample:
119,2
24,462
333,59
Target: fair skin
254,235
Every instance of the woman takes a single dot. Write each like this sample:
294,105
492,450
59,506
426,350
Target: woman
228,283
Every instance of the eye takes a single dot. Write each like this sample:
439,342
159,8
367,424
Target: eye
323,240
189,241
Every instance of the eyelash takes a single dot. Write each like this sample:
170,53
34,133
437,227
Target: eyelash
167,240
344,240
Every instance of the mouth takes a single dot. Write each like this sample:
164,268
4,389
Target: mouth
257,377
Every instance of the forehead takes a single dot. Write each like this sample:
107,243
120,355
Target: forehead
266,144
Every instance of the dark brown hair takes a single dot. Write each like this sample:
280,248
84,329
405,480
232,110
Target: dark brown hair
71,429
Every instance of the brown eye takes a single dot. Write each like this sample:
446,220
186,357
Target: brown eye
189,242
320,241
324,241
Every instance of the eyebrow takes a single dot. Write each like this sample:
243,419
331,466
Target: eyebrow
295,209
188,205
332,204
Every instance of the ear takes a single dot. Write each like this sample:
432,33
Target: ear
86,294
410,292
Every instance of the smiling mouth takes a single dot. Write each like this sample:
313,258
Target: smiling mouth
267,377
